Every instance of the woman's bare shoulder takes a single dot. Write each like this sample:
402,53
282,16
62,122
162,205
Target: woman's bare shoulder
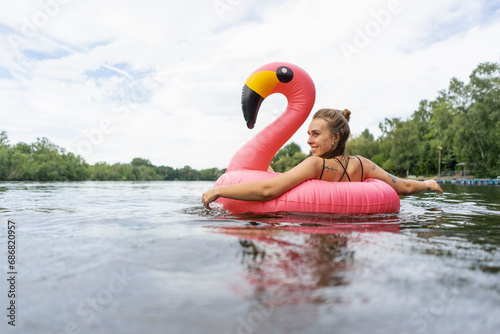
367,163
312,163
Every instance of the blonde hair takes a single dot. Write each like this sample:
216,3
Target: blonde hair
337,122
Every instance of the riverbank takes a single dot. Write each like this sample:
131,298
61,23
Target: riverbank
469,181
461,180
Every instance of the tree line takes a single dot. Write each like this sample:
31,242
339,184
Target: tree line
45,161
461,126
459,130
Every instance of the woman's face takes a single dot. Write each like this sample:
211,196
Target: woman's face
320,139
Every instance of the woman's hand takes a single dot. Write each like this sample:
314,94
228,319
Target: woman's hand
209,196
432,185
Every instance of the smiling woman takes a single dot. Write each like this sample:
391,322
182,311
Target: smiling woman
247,187
319,132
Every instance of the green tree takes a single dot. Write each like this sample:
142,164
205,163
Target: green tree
287,158
4,139
167,173
477,118
21,165
141,162
211,174
188,174
100,171
364,145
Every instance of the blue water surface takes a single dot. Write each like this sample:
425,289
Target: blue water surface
146,257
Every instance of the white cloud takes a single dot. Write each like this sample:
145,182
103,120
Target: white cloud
162,80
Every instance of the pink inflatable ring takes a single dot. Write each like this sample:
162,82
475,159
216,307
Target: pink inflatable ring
251,161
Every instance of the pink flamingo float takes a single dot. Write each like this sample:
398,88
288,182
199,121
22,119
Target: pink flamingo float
251,161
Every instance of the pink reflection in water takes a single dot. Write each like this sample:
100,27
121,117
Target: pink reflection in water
291,258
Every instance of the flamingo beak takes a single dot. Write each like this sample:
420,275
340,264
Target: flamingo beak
258,86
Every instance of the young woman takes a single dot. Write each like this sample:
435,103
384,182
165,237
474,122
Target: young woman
328,133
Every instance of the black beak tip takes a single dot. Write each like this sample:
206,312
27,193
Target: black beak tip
250,103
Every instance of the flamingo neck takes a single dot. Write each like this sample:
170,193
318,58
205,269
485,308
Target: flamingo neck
258,153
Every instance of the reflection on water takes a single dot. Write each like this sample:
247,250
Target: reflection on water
290,273
288,256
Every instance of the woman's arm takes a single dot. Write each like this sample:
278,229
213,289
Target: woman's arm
269,189
402,187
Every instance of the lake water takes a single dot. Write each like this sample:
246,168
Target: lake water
125,257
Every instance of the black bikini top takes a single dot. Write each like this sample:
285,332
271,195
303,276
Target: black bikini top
345,169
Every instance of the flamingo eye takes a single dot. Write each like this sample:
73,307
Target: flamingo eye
285,74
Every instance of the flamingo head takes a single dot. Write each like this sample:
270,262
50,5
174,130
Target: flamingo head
269,79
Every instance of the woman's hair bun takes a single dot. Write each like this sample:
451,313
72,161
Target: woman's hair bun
332,115
347,114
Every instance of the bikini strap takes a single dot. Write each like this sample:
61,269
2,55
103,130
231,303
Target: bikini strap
361,168
347,165
345,169
322,169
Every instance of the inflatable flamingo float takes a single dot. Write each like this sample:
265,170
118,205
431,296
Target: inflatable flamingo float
251,161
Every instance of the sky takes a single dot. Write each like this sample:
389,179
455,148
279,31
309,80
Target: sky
161,80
